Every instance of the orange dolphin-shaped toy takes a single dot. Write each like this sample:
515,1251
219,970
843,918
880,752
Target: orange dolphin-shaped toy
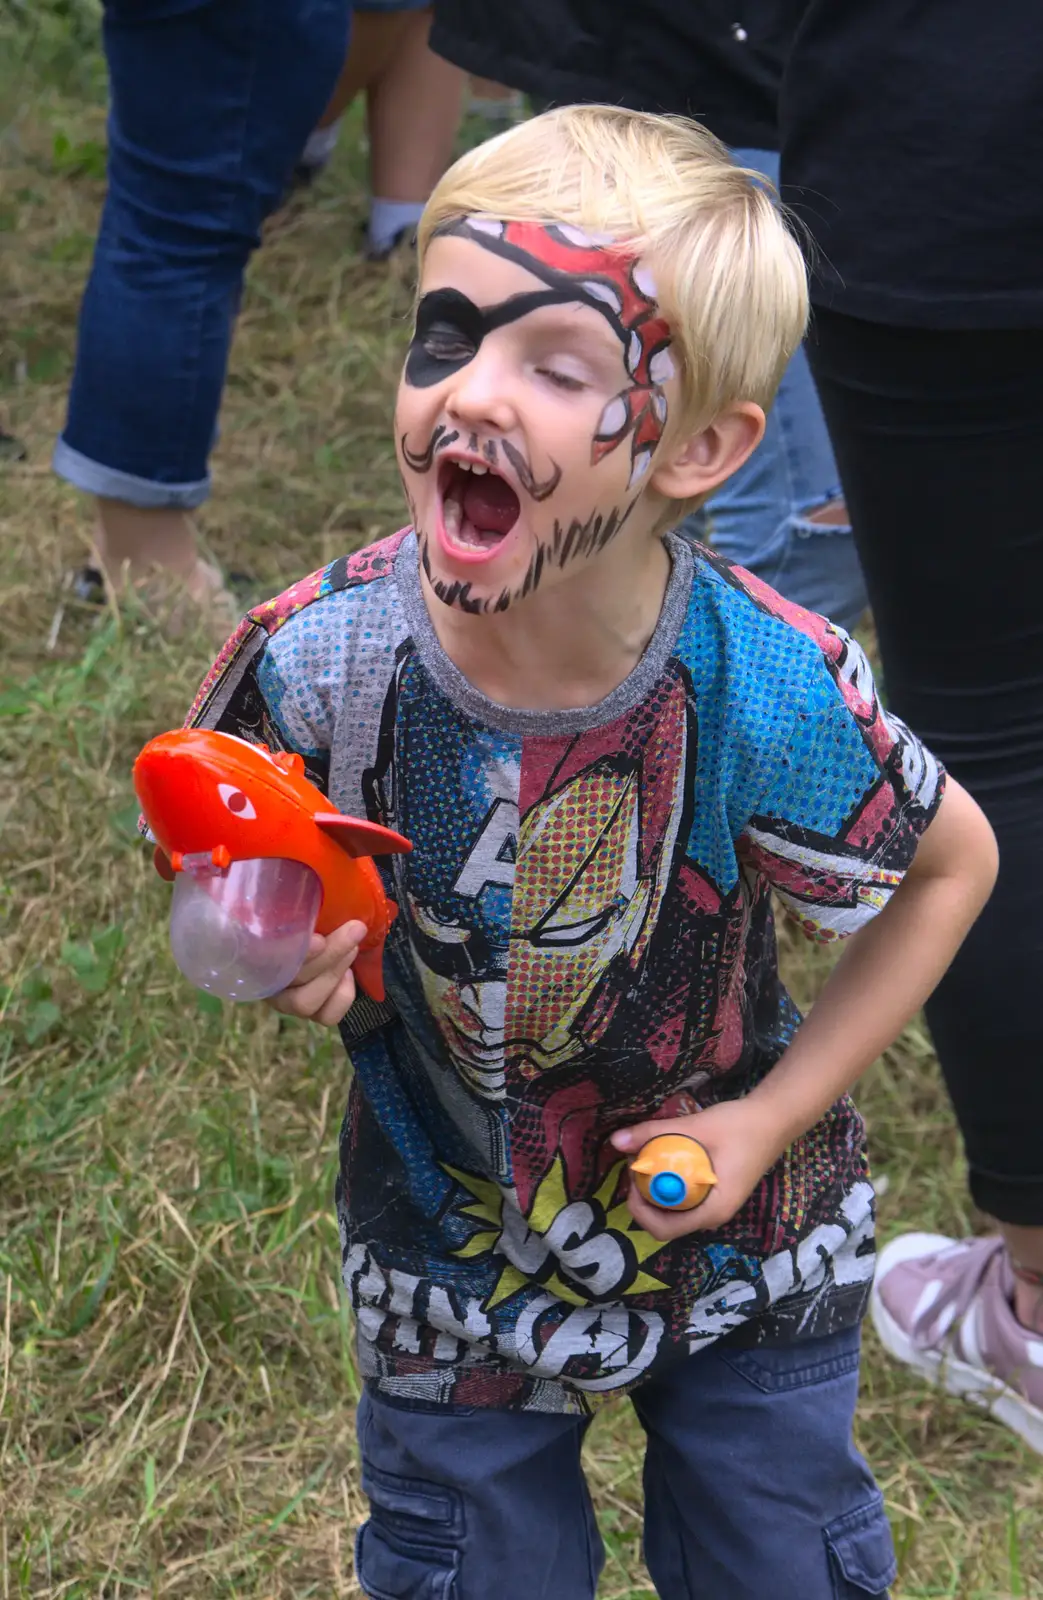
259,861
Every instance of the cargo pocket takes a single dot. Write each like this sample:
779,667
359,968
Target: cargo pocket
409,1548
776,1369
861,1552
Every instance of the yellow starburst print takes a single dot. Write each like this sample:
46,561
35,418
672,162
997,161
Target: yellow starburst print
584,1251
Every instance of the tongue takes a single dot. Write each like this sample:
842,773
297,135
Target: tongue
490,504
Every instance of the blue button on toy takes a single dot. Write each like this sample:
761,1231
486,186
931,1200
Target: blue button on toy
668,1188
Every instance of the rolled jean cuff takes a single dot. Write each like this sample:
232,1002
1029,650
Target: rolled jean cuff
93,477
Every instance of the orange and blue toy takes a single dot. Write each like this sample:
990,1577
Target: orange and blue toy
259,861
674,1172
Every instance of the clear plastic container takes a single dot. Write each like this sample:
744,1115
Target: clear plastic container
243,933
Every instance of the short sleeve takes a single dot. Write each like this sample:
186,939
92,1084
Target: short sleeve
246,693
848,800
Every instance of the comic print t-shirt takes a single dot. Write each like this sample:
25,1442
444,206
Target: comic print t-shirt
585,939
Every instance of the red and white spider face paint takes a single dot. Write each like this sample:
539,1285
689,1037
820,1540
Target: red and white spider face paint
533,397
582,269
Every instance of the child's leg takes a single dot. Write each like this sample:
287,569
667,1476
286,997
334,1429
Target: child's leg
482,1505
752,1484
375,36
412,112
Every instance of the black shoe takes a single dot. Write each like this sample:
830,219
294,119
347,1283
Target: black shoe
305,173
11,449
88,585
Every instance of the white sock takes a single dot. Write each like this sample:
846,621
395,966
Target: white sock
502,109
320,145
387,218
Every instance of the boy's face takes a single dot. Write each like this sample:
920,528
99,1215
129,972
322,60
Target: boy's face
534,394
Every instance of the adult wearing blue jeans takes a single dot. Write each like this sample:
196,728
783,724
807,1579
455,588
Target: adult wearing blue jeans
210,103
783,515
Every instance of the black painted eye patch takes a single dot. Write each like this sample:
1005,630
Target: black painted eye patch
450,329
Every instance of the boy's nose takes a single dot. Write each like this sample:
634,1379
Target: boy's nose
479,396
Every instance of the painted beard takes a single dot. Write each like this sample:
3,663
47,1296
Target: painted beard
574,543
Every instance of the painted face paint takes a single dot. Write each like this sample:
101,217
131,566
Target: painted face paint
579,540
538,490
577,269
450,329
442,437
421,460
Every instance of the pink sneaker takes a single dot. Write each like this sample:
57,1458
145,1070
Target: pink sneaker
944,1307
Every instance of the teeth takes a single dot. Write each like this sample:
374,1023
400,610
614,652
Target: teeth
453,516
475,468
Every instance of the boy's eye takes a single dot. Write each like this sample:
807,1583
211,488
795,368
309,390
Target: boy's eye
445,343
561,380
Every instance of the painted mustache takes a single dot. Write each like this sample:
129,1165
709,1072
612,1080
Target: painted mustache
421,460
526,477
441,438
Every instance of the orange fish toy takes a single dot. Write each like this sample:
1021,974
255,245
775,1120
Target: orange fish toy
259,861
673,1171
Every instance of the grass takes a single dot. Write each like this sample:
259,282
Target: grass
176,1376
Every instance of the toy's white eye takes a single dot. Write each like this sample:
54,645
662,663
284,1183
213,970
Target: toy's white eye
237,802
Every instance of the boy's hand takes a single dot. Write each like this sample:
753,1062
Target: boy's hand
324,989
742,1144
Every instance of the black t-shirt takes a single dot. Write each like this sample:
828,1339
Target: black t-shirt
719,61
912,138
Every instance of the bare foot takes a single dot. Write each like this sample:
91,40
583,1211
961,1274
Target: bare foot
152,556
181,603
1025,1246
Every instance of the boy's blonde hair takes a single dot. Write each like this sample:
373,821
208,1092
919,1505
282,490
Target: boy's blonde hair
729,274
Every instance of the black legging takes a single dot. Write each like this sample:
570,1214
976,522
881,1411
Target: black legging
939,442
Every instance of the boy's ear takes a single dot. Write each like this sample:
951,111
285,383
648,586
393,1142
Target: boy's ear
698,462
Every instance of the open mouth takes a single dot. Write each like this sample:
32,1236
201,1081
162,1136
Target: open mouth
479,508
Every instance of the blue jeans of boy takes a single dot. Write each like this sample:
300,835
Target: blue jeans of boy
211,102
761,517
753,1489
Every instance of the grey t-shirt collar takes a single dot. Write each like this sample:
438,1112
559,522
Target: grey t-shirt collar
578,719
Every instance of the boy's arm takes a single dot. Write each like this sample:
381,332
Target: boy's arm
887,972
324,989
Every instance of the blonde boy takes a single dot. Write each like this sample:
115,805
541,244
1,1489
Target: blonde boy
608,748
